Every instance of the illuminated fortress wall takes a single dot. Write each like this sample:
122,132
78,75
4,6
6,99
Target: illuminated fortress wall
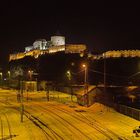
16,56
117,54
73,48
78,48
66,48
56,49
122,53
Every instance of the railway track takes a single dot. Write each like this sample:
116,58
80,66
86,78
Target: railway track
52,134
5,126
99,130
98,124
78,118
101,126
94,124
43,126
69,126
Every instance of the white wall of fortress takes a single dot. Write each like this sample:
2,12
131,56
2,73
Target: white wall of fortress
58,40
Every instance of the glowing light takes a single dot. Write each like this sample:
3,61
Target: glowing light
84,65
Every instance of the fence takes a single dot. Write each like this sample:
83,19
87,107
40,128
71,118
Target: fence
129,111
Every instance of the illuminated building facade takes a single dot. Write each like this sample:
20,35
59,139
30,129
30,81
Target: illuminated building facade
40,44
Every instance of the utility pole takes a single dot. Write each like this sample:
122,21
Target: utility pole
104,73
106,99
22,105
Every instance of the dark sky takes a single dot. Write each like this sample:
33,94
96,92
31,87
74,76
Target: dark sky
100,25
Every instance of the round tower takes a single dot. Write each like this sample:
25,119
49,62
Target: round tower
58,40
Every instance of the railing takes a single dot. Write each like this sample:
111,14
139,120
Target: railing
129,111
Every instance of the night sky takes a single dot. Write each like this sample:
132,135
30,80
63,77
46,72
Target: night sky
100,25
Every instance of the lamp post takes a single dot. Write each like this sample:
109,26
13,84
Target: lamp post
9,74
70,82
9,78
86,82
85,79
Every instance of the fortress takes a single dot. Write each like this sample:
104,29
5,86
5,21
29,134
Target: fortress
41,46
57,44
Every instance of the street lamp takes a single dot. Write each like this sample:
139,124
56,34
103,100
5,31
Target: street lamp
69,74
86,81
70,82
0,75
1,78
30,72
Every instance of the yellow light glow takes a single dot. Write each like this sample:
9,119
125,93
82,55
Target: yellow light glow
84,65
68,72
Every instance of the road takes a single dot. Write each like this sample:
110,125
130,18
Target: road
60,119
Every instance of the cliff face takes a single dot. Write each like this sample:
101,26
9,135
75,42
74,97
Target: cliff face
52,67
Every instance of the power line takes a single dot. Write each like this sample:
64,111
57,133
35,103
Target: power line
134,75
77,72
107,74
